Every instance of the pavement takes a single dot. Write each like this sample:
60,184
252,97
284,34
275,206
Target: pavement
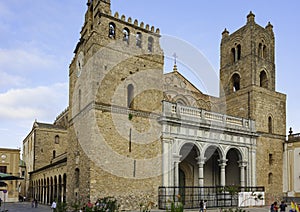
26,207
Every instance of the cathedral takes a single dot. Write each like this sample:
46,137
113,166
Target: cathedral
139,133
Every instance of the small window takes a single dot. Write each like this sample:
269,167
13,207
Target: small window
235,82
77,174
264,52
270,159
56,139
139,40
53,154
112,30
263,79
233,55
270,178
126,35
23,173
150,44
239,52
260,49
270,127
3,169
130,95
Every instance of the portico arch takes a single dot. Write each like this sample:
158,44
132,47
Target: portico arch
232,168
189,153
213,164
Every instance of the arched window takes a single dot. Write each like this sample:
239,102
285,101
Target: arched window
130,95
233,55
260,49
239,51
53,154
150,44
56,139
112,30
139,40
270,178
126,35
264,52
263,79
235,80
270,125
77,174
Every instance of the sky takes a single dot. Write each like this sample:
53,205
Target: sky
37,40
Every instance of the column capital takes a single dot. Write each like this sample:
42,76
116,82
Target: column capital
200,160
222,162
176,158
242,163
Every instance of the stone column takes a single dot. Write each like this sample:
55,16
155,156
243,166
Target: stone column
201,162
176,159
242,165
222,164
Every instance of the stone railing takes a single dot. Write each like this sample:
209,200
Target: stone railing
195,114
294,137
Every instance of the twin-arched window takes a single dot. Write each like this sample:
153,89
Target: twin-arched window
262,50
236,53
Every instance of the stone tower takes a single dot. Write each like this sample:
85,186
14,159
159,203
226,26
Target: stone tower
115,94
247,85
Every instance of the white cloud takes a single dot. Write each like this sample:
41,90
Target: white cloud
20,60
10,80
41,102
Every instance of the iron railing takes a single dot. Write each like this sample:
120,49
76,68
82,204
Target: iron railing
190,196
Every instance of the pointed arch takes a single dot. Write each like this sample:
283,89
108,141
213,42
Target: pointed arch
235,82
126,35
263,79
150,44
112,30
139,39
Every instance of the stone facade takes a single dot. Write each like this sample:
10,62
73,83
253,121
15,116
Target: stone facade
129,128
44,154
9,163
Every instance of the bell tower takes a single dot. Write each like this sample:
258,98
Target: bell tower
247,87
247,57
115,94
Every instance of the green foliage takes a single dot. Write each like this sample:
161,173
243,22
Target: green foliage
61,207
176,206
130,116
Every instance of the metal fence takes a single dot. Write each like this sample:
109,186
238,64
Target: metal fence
190,197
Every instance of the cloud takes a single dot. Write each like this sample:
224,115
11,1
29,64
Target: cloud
10,80
42,102
20,60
